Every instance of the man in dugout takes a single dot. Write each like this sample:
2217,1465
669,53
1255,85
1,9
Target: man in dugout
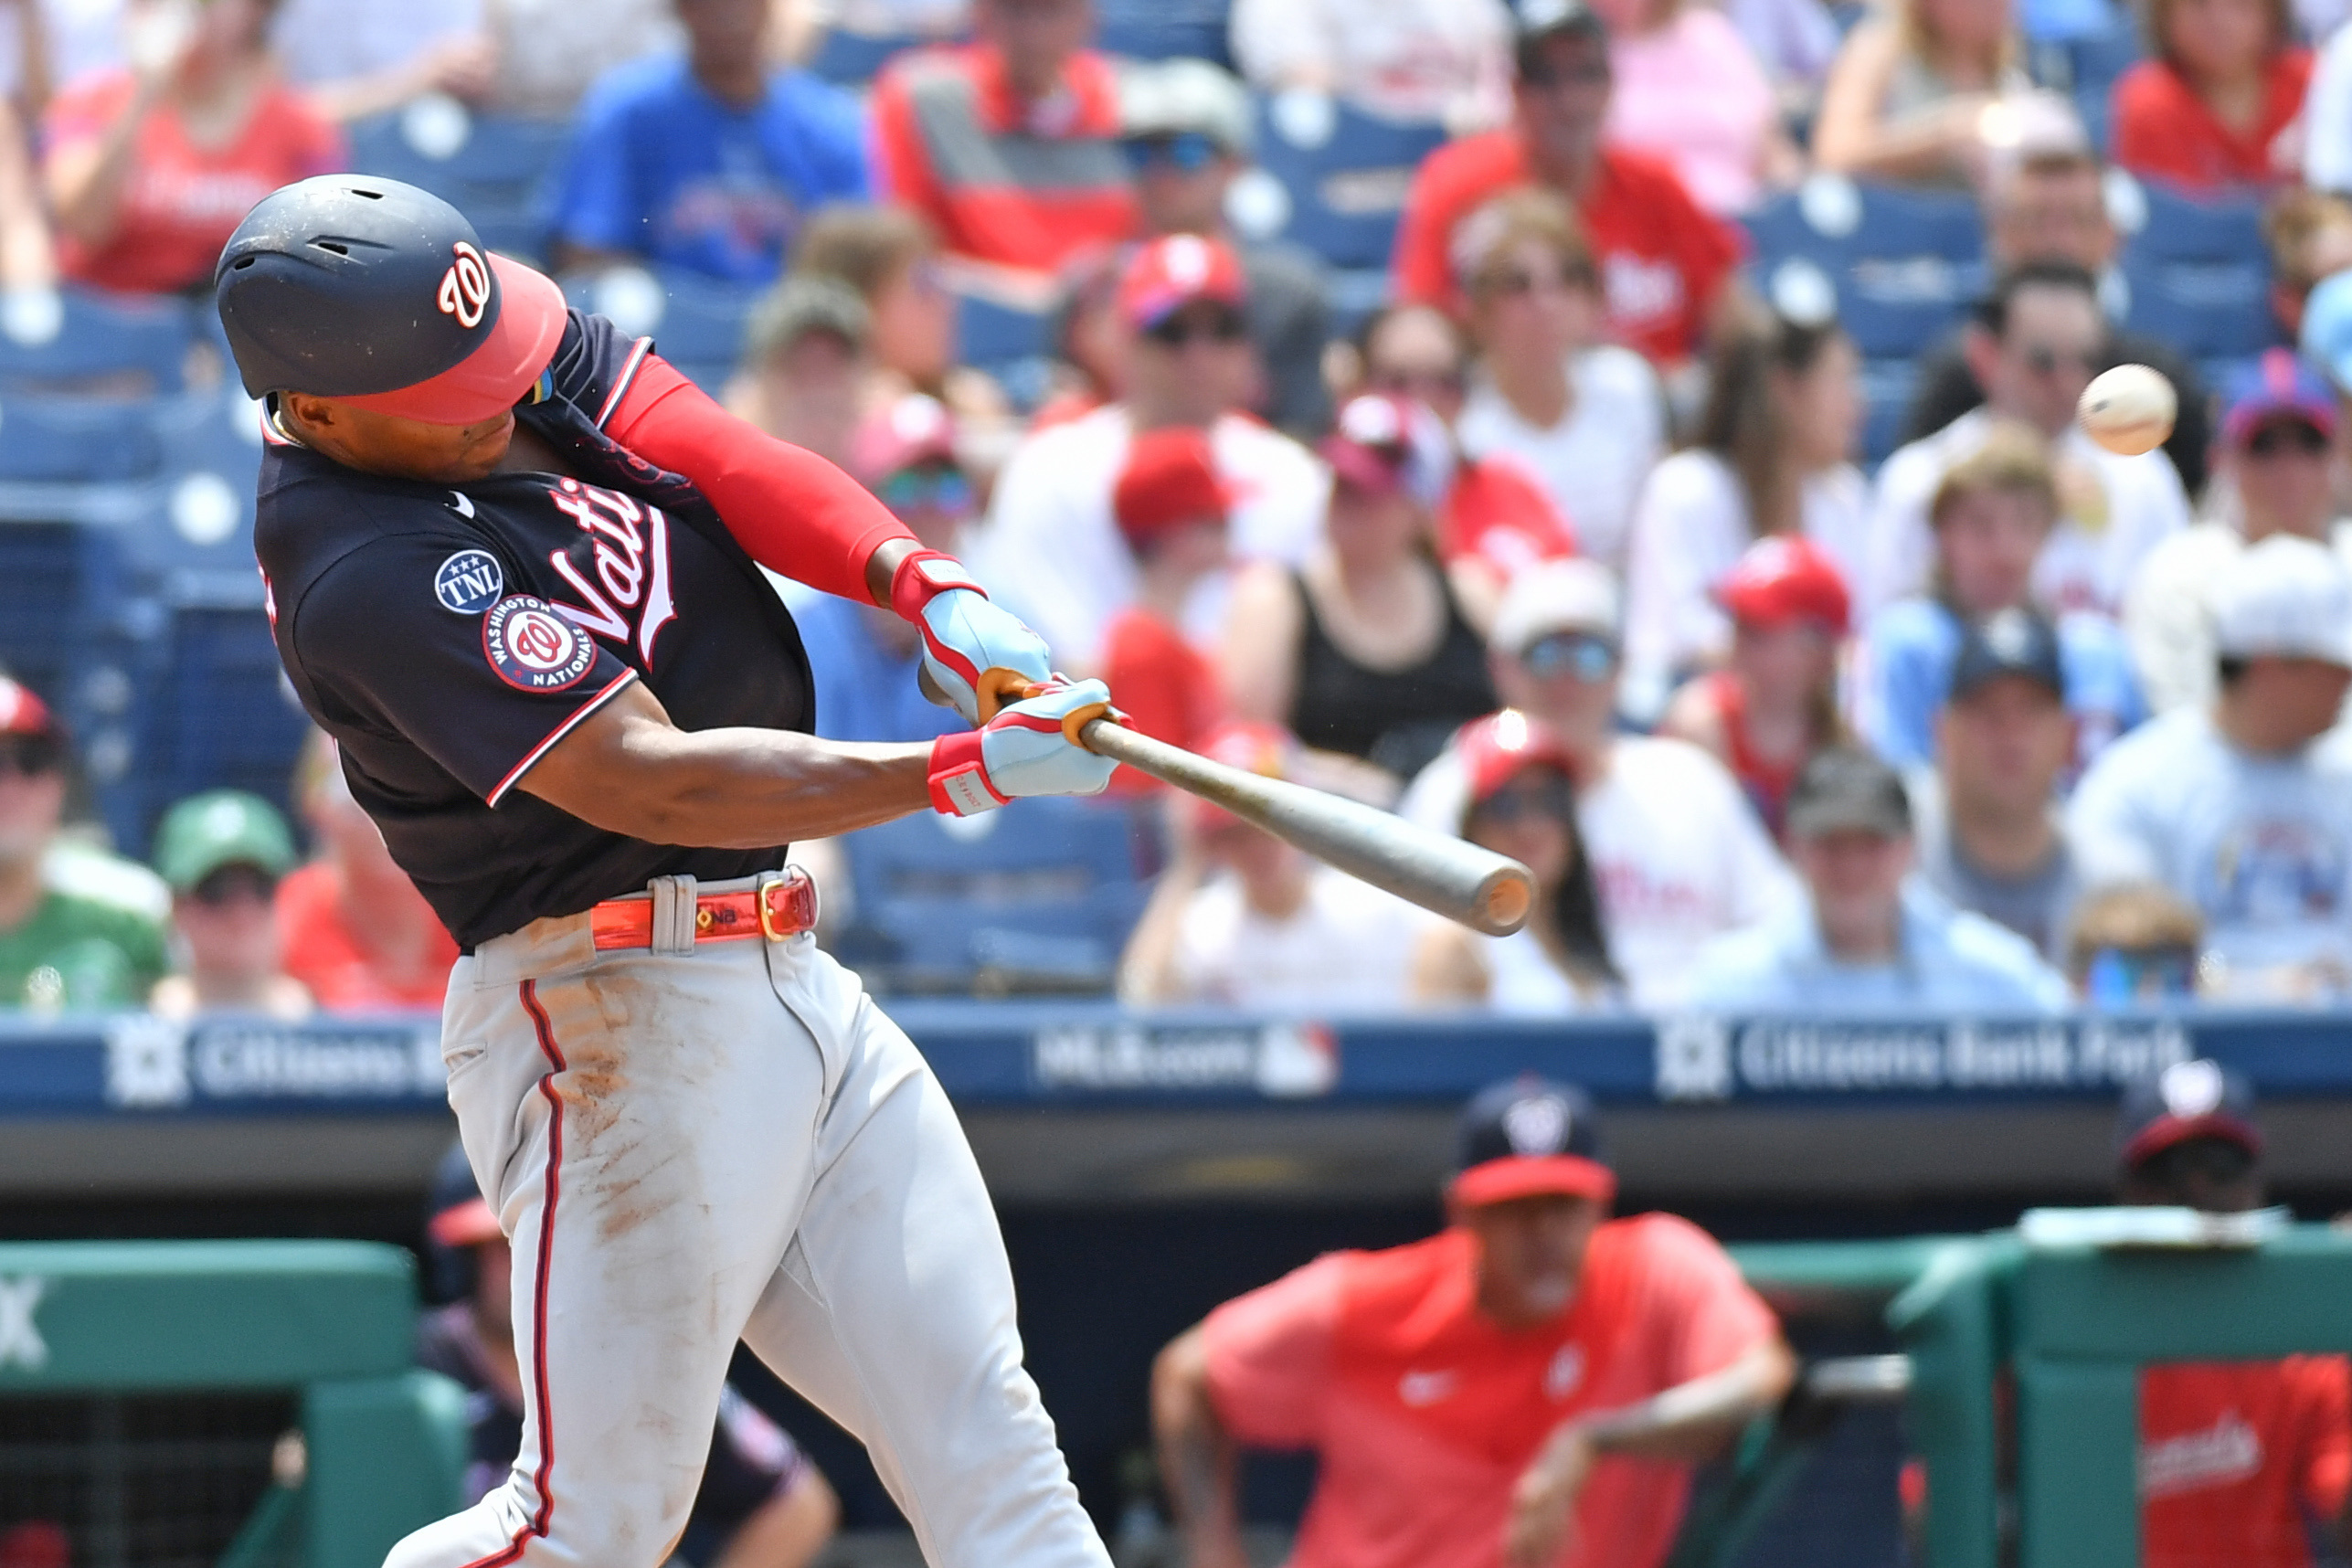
1527,1388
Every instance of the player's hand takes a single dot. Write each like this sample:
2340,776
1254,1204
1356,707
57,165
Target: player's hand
976,653
1544,1504
1030,748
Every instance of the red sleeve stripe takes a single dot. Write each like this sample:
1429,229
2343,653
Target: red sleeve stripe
628,376
560,731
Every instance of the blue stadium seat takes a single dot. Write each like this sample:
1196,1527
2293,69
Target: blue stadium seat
85,341
1159,29
494,168
852,60
214,713
990,332
695,321
76,440
2199,276
1886,385
194,548
1038,896
1346,191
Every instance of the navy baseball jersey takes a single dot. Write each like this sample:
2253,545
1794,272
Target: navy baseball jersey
448,638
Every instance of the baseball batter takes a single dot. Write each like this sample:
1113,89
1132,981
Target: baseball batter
511,561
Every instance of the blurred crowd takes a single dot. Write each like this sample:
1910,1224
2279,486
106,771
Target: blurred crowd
1564,547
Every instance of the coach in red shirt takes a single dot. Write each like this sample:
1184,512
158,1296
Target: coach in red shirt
1666,265
1525,1387
1009,145
2238,1460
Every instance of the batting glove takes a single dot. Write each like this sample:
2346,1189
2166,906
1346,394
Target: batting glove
976,653
1030,748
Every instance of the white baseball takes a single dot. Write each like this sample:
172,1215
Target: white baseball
2128,410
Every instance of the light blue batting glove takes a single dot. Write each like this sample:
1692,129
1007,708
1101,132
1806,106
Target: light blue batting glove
977,655
1030,748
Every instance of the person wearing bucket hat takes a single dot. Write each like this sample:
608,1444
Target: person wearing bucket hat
223,853
1567,1366
761,1503
511,562
1242,919
1872,939
2190,1136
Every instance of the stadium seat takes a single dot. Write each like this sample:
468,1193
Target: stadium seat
74,440
1344,175
1886,385
2198,274
852,60
695,321
214,712
1037,896
84,341
1159,30
493,168
194,547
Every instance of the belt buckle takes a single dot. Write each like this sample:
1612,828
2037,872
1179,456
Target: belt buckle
801,889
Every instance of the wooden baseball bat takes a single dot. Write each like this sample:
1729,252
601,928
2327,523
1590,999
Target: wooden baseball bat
1483,890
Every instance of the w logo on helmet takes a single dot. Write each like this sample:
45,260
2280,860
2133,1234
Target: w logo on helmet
466,287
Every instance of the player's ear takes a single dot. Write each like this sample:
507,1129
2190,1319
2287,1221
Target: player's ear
306,412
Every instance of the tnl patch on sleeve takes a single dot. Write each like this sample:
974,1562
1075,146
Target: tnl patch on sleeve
532,647
469,582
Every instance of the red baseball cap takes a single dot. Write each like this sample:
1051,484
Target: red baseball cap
1780,579
1170,479
1495,749
1383,444
22,712
1171,273
494,377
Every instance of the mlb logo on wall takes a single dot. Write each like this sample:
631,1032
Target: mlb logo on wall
469,582
533,648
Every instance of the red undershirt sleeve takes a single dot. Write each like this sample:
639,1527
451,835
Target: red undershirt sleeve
791,510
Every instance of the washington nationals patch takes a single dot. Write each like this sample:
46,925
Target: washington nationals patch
532,647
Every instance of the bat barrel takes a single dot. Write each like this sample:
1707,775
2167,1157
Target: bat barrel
1477,887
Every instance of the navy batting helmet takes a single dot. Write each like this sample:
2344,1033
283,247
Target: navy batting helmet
380,294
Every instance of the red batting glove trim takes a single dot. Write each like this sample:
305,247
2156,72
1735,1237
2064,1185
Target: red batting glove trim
957,766
918,581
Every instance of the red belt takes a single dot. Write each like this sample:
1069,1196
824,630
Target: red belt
784,907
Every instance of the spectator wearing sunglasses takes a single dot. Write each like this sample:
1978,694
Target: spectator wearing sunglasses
1872,938
2034,347
1774,702
2133,944
2239,1461
1186,128
1171,507
1496,519
1677,854
1991,520
223,855
1666,264
1369,647
862,658
1009,144
1522,803
61,945
1585,418
1050,547
2278,456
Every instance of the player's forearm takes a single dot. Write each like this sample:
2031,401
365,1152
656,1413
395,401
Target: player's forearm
1690,1421
1196,1454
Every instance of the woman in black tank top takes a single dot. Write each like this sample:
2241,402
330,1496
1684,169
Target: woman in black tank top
1369,650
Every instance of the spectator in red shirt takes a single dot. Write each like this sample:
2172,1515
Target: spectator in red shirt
2236,1457
1170,505
1666,265
1496,518
150,166
1522,1388
1009,145
2220,104
357,933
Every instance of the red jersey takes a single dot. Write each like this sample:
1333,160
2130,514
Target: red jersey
184,201
2165,130
1022,185
1766,783
324,953
1496,513
1424,1414
1662,258
2234,1455
1167,690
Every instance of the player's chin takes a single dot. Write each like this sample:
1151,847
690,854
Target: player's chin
477,449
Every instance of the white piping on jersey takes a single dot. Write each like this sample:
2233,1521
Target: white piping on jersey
612,690
628,376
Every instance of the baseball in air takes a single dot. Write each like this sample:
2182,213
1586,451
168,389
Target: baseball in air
2128,410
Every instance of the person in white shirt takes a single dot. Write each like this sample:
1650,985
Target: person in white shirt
1586,417
1522,803
1429,61
2243,806
1242,919
1051,549
1772,457
1677,853
2277,464
2034,350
